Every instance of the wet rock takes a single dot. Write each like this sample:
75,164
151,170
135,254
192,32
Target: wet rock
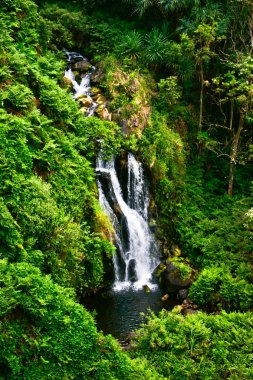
175,250
165,297
82,66
101,100
182,294
73,56
147,288
85,100
152,224
188,307
165,252
97,76
67,83
131,271
159,269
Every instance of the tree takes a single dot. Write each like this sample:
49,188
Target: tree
235,88
204,37
163,6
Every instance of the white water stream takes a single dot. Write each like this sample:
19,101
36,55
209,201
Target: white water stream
137,249
82,88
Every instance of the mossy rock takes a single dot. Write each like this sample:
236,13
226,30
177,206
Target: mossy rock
103,113
177,252
159,270
67,83
95,91
146,289
86,101
101,100
177,275
82,66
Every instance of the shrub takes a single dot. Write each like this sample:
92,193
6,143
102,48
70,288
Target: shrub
217,288
18,97
198,346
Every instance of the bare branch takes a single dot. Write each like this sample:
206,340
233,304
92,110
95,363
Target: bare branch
220,126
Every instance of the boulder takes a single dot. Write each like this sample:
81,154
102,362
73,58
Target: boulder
82,66
188,307
146,288
97,76
131,271
67,82
86,101
103,113
95,91
182,294
172,279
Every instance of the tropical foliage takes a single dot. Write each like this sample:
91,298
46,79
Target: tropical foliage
177,77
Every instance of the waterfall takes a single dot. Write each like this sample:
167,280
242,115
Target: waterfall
82,88
137,252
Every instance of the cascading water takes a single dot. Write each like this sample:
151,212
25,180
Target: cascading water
84,87
137,252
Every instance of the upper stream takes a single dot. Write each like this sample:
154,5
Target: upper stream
82,88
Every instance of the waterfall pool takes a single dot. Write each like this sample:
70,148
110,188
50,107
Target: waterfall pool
118,312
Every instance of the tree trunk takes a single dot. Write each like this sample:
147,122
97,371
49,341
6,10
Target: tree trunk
201,96
233,154
231,114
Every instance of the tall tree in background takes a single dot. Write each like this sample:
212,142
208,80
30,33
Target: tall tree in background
235,88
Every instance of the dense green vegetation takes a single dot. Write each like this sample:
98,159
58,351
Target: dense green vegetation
178,79
197,346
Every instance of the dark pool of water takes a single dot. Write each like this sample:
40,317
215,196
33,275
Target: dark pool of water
118,312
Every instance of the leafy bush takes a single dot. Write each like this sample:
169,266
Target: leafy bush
169,93
162,150
197,346
18,97
183,268
46,334
216,288
132,45
154,53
